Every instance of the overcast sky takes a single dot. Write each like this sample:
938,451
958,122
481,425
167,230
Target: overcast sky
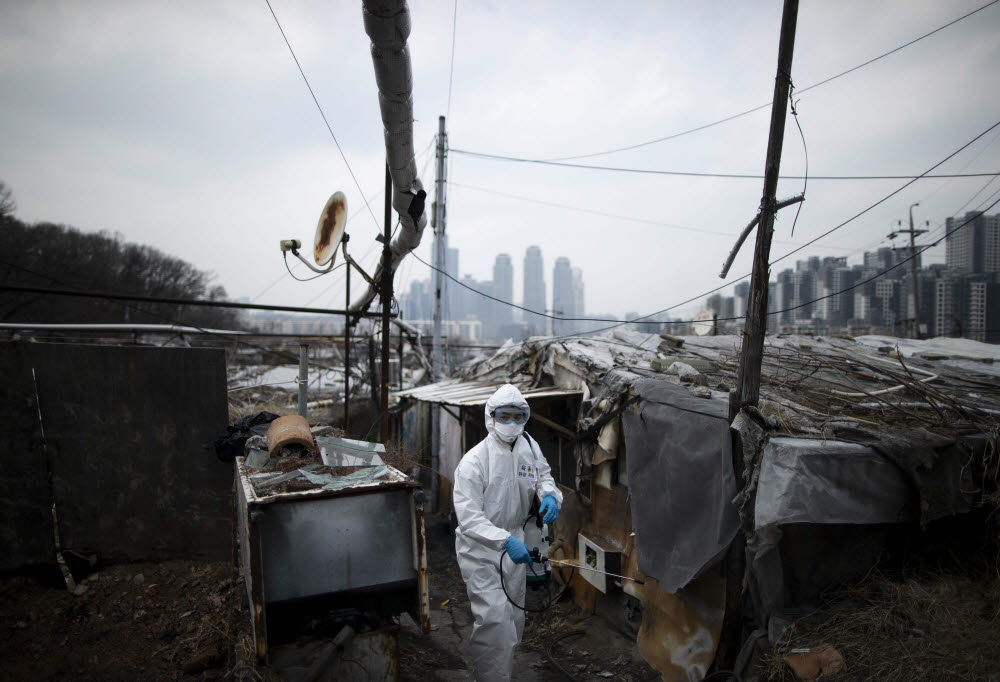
185,125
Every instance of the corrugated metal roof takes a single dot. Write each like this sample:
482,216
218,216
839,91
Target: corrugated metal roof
459,392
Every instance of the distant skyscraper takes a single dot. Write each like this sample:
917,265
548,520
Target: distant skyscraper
741,292
503,288
562,295
534,290
577,296
973,248
449,294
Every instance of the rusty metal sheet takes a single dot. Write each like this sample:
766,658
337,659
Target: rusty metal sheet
680,632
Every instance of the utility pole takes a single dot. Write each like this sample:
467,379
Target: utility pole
752,350
438,221
747,392
347,351
913,269
386,287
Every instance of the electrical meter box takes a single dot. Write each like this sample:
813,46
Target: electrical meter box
599,555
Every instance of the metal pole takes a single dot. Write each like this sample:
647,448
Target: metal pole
303,376
439,225
400,349
752,350
916,279
347,356
438,222
386,286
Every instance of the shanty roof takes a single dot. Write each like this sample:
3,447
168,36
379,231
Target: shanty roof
944,383
459,392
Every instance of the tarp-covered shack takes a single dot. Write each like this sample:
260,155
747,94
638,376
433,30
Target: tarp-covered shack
852,438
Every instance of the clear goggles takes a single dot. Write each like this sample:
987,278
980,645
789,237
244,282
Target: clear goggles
510,415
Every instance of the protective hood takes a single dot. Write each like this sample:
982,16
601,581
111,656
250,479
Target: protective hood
506,396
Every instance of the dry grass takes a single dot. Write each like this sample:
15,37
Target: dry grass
401,457
928,627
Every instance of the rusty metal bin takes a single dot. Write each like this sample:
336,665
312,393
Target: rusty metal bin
307,552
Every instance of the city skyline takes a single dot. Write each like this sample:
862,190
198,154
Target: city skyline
960,297
466,298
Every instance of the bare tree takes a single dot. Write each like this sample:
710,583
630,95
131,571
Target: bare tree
7,203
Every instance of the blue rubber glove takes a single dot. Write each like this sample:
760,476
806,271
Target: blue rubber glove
517,550
549,509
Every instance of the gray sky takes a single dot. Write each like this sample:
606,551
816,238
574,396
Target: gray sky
185,125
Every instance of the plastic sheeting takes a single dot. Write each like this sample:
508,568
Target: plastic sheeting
823,482
679,461
815,481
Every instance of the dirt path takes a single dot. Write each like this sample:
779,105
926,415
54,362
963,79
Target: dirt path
189,620
137,621
601,653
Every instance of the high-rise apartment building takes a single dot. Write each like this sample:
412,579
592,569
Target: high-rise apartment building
534,290
973,244
562,295
503,288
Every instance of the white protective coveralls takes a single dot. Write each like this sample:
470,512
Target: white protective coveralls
494,485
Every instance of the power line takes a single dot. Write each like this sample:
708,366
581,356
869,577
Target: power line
887,270
109,296
230,336
451,70
899,189
731,176
321,113
729,283
605,214
508,303
768,104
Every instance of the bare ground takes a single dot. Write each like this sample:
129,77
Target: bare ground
189,620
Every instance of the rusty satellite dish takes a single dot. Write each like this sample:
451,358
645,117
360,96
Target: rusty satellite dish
330,229
702,325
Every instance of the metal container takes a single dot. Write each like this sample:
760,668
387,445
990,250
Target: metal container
316,551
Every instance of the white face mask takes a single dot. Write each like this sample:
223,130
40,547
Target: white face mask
508,432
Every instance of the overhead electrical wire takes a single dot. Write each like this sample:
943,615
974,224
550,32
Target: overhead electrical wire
805,151
887,270
619,323
321,112
375,244
891,194
730,176
768,104
616,216
233,337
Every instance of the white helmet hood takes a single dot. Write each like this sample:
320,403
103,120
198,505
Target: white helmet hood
506,396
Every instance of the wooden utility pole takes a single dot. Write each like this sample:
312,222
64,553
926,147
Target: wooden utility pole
913,269
386,291
747,390
752,350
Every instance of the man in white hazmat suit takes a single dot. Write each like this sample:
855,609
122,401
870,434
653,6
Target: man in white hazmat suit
494,486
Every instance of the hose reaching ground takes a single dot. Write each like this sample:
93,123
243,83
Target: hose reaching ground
552,646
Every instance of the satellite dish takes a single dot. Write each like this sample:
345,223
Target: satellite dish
702,325
330,229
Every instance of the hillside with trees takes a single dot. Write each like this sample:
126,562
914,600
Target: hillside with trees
63,257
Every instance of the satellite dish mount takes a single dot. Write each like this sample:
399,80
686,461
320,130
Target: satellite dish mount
330,233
